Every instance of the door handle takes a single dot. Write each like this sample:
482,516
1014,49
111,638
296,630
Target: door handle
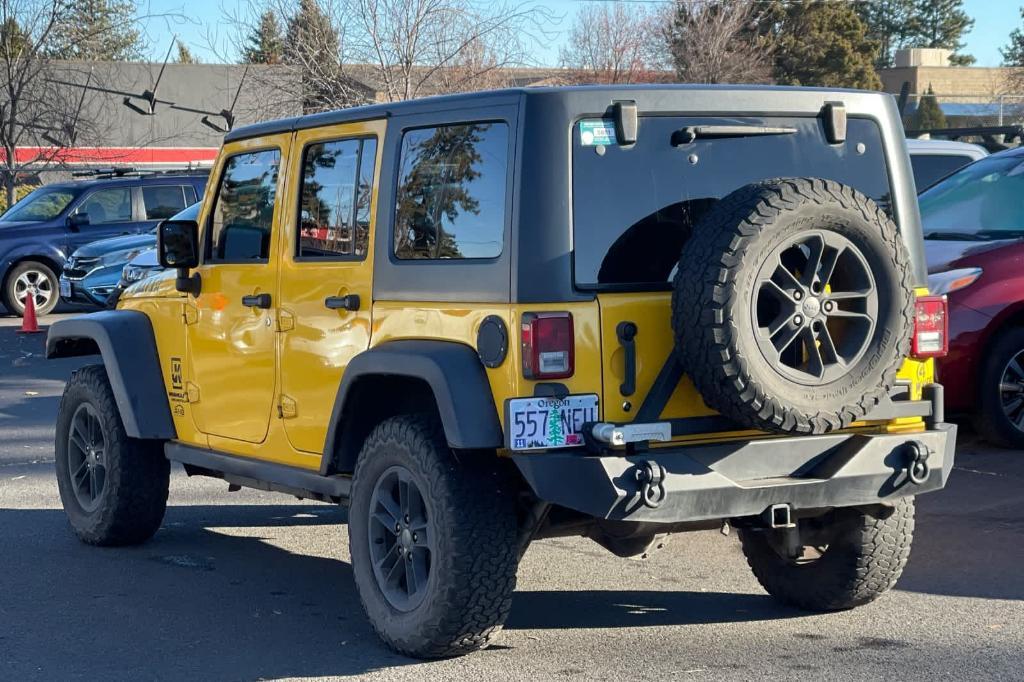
350,302
256,301
626,332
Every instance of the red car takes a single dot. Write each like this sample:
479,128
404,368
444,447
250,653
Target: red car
974,238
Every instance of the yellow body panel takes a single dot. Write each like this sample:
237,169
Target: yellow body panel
317,343
262,383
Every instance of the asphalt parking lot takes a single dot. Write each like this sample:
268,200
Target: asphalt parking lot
251,585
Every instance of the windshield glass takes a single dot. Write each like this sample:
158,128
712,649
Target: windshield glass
41,205
981,200
634,206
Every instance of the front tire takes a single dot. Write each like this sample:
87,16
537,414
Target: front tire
31,278
113,488
433,540
862,558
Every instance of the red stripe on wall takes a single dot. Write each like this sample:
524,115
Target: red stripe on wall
112,155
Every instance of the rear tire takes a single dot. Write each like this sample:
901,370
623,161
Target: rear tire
863,559
418,509
113,488
1000,417
31,277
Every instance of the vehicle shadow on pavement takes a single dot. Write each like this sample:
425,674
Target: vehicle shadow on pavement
211,597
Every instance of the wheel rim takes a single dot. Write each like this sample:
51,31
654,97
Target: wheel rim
87,457
35,283
815,307
1011,390
401,539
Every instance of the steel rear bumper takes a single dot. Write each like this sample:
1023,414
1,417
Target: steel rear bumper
742,479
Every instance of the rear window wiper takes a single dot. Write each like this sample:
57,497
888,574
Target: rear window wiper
691,133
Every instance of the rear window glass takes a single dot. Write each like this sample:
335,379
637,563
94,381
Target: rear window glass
634,207
930,168
163,201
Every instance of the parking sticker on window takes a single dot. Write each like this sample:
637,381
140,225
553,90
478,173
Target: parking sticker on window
595,132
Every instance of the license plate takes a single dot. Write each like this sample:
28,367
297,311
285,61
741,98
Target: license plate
541,423
65,288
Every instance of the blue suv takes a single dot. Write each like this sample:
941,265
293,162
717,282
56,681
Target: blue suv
39,232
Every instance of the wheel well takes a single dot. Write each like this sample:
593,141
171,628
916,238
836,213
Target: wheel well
45,260
370,401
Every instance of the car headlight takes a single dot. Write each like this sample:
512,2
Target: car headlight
134,273
952,280
119,257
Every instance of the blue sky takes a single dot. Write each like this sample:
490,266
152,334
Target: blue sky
993,21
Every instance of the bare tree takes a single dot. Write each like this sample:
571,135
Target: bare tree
358,51
38,118
616,44
717,41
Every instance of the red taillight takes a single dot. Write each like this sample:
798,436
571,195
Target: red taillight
548,346
931,327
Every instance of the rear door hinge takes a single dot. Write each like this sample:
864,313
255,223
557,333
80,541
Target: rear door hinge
192,391
285,320
287,408
189,314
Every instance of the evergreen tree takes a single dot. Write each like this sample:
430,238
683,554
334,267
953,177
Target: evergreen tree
1013,54
312,44
889,23
822,43
265,43
13,40
556,434
185,55
97,30
928,115
942,23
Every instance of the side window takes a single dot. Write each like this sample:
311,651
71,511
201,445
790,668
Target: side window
163,201
108,206
451,192
334,210
243,212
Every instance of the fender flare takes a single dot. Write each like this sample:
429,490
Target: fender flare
453,372
125,341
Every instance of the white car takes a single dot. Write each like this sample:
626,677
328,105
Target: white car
933,160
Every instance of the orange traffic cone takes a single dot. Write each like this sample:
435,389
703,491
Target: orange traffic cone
29,324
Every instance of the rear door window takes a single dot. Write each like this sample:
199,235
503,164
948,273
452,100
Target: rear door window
108,206
930,168
634,206
163,201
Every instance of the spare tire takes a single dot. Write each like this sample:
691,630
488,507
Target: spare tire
793,305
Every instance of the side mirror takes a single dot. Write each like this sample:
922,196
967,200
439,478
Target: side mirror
77,221
177,244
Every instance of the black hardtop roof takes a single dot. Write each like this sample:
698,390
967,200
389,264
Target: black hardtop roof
748,93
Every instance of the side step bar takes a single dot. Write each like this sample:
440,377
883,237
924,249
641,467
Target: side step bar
259,474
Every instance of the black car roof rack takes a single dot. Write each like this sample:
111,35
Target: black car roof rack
108,173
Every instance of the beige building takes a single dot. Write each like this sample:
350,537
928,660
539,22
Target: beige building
970,94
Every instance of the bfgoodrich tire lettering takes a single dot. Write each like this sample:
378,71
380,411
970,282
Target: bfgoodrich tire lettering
844,304
470,504
864,558
125,504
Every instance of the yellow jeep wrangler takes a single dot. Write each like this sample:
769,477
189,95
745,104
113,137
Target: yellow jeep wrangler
477,320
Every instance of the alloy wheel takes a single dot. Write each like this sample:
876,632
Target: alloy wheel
401,538
816,307
35,283
87,457
1011,390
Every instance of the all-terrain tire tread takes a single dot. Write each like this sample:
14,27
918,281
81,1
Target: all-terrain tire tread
703,291
138,475
476,599
866,562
